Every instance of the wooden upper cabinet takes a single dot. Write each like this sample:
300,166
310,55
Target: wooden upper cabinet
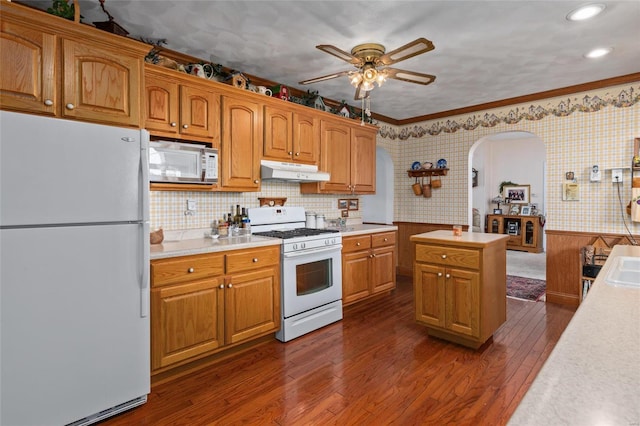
178,109
335,156
100,84
363,161
240,144
27,69
291,136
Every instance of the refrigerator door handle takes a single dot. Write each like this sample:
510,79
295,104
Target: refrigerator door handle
144,167
144,277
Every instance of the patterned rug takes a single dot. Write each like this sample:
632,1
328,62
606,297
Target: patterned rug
526,288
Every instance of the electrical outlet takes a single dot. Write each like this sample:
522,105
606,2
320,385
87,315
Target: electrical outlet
616,175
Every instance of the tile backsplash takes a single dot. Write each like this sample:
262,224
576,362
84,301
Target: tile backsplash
167,208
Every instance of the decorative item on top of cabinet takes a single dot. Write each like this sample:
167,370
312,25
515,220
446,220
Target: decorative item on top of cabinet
179,107
348,154
100,74
368,265
460,285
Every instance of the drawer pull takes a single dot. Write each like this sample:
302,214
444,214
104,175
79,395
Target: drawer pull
255,260
448,276
191,270
444,256
357,244
385,240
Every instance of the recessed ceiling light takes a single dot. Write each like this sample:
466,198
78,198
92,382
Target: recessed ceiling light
585,12
599,52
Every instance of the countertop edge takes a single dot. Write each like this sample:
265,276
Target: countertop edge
203,246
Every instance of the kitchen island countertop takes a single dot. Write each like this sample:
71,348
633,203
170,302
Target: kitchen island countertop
592,376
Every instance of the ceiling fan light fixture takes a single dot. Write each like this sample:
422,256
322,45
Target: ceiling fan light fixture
366,86
585,12
355,78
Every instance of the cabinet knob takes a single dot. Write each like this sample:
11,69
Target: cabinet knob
70,106
230,285
370,256
256,181
185,126
385,240
221,285
357,244
439,274
255,260
174,124
191,270
448,276
48,102
444,256
297,154
290,152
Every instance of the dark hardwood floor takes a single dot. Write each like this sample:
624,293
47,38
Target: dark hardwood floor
376,367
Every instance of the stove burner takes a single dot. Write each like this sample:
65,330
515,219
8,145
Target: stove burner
293,233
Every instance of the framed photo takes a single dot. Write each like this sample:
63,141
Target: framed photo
517,194
514,209
344,213
353,204
497,211
525,211
343,204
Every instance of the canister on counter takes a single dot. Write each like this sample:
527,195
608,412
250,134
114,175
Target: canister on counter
320,221
311,219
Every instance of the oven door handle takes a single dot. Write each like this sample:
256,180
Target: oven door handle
333,248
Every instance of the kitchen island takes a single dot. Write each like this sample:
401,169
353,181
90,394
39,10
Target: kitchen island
592,377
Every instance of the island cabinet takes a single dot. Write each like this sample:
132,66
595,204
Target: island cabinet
368,265
291,135
348,153
203,304
241,143
460,285
52,66
178,107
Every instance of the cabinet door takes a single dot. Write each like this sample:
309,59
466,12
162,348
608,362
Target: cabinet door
200,113
240,147
363,161
529,232
335,156
27,64
162,104
278,137
463,301
383,275
355,276
306,138
186,321
252,304
429,294
101,85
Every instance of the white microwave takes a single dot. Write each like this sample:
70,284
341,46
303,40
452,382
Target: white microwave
182,163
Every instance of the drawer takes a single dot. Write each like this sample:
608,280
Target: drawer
448,256
514,240
383,239
357,243
186,268
246,260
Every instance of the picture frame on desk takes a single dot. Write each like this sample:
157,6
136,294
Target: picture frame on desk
525,211
514,209
497,211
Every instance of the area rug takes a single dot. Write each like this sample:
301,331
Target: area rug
526,288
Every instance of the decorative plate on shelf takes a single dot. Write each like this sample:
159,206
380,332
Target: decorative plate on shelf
442,163
416,165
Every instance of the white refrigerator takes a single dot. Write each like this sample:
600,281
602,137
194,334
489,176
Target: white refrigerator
74,270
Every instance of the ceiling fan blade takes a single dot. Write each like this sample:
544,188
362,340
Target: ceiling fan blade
341,54
325,77
409,50
410,76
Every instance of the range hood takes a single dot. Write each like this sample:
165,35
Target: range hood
291,172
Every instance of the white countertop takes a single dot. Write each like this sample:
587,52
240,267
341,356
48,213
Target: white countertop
185,247
467,239
592,376
359,229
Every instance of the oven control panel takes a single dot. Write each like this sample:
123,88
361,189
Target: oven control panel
306,243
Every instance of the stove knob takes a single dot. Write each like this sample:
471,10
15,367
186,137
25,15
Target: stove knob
303,245
295,246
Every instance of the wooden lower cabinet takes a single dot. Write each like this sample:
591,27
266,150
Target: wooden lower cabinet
203,304
460,285
525,232
368,265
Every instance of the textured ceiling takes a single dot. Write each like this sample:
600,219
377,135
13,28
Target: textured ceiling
484,50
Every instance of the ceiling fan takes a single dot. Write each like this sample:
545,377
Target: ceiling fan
372,63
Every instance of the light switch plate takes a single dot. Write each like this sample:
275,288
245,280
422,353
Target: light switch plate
192,205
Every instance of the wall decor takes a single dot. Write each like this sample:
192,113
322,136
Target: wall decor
344,213
517,194
570,191
343,204
353,204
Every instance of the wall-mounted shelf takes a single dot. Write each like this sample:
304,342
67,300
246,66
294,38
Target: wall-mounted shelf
428,172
